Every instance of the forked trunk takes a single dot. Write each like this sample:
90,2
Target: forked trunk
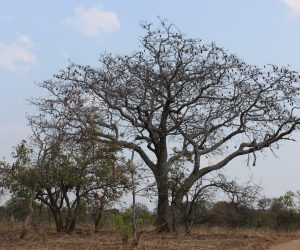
57,219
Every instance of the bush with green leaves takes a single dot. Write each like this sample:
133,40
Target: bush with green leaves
123,222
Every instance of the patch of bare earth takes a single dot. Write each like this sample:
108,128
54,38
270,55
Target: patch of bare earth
199,238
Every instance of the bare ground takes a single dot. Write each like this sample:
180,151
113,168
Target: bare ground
200,238
290,245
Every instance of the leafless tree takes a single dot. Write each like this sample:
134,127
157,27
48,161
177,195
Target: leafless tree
245,194
175,99
242,195
264,203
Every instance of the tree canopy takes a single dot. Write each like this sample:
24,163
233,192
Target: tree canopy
64,176
175,101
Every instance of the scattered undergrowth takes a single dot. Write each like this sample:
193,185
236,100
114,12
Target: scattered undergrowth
200,238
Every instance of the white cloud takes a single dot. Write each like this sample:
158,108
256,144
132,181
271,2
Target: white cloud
294,6
17,56
26,41
93,22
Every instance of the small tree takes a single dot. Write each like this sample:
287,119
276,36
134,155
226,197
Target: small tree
92,171
62,176
22,180
99,200
264,203
200,197
288,201
284,211
3,167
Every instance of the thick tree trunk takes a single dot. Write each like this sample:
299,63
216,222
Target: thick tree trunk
98,220
71,226
175,217
168,218
163,218
176,212
188,219
57,220
59,226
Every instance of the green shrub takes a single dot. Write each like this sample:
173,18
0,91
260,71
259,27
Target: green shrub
122,221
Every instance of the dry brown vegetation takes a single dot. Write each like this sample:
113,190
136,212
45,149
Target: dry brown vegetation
199,238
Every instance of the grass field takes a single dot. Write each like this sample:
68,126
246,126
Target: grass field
199,238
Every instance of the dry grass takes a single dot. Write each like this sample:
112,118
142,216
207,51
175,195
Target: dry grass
199,238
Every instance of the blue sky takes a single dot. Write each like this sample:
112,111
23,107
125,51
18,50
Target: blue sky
38,37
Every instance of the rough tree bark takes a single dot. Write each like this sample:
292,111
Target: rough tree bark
163,211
